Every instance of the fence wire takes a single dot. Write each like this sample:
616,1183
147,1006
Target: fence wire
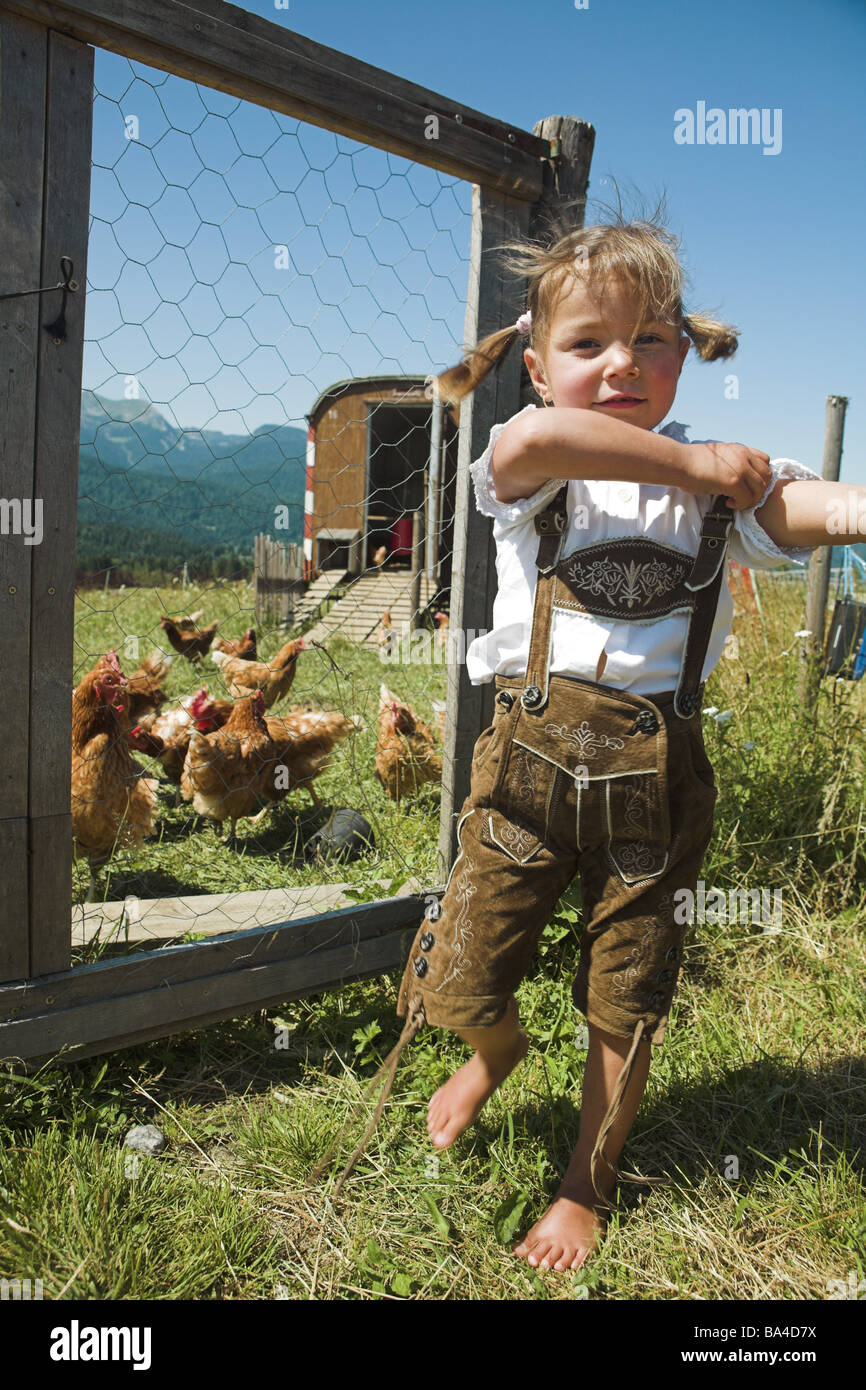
261,469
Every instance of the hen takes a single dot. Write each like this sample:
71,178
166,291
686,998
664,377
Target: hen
146,692
406,754
188,624
244,648
112,801
167,737
273,678
227,772
193,643
385,634
305,741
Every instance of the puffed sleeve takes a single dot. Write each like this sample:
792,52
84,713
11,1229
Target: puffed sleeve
750,544
507,513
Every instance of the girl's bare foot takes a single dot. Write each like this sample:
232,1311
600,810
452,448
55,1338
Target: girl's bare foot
568,1233
456,1104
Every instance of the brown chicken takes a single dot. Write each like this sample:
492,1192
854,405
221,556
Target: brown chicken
167,737
188,624
305,741
439,708
385,634
442,625
112,801
273,678
226,773
194,643
406,755
145,689
244,648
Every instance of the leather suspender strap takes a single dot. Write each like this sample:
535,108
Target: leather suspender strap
551,525
705,581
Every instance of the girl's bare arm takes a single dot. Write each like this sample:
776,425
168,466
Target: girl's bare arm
800,511
569,442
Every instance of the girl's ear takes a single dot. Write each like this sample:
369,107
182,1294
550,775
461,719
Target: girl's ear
536,375
685,344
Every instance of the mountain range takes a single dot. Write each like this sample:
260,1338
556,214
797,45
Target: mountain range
203,490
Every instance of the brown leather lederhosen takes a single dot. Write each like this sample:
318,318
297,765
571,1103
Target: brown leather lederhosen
622,756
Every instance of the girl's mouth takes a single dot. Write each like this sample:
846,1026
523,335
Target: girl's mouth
622,402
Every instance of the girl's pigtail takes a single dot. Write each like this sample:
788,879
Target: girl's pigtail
451,386
711,338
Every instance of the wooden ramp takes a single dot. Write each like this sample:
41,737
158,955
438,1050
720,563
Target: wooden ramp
356,617
307,603
161,920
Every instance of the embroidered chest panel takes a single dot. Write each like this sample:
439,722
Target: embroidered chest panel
631,580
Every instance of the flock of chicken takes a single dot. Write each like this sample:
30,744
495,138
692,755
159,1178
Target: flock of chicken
227,757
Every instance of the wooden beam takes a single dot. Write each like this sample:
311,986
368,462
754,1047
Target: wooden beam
23,59
493,301
222,46
65,224
99,1008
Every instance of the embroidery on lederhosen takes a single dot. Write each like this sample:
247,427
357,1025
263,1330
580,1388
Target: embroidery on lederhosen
582,740
518,843
638,858
625,582
463,932
627,979
635,860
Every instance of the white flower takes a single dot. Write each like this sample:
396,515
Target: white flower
711,709
747,747
724,716
804,632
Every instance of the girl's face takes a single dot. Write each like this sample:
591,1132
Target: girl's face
588,363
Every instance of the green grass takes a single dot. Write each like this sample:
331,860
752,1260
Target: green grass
761,1073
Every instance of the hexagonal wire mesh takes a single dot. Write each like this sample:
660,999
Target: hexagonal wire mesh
260,459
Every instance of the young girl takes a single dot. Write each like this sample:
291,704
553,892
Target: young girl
612,610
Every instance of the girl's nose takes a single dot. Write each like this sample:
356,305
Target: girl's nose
620,360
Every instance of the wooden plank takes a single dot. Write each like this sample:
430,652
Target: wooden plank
221,46
209,914
493,301
105,1006
66,216
170,965
190,1006
23,48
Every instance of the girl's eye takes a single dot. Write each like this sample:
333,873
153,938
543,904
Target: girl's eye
591,342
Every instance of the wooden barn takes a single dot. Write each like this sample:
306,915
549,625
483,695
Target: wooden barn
381,467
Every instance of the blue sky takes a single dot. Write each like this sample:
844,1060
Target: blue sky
376,272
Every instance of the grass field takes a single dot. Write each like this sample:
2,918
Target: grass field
754,1109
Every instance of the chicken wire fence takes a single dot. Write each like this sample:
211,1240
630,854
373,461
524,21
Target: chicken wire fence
266,500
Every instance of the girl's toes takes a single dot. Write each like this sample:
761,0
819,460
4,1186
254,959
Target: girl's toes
551,1255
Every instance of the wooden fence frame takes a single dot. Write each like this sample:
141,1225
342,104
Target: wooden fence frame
46,80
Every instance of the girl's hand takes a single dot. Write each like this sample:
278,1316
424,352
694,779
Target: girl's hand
739,472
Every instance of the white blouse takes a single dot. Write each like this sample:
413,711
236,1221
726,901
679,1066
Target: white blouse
642,658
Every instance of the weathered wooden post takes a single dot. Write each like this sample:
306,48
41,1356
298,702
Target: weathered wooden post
46,80
417,567
819,565
494,301
433,483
